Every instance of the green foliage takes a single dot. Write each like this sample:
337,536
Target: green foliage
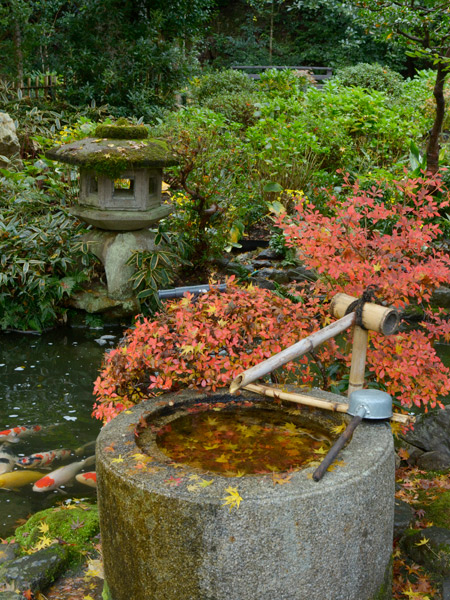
157,269
287,83
371,77
305,32
39,267
235,106
217,83
216,192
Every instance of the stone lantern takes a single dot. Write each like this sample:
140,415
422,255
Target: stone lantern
120,195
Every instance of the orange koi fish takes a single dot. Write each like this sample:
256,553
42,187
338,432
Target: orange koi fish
89,478
60,476
15,433
43,459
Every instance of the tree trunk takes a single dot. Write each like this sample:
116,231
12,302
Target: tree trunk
271,34
433,143
17,34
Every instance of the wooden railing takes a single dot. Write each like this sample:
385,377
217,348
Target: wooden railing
37,88
320,74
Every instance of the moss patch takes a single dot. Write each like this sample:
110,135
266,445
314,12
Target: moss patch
122,132
385,590
439,511
74,525
112,157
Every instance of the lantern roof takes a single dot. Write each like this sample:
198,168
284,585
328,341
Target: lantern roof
113,155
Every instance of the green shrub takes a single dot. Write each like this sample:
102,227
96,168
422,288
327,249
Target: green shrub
235,106
285,82
39,266
216,194
219,83
371,77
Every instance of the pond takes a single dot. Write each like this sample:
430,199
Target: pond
47,380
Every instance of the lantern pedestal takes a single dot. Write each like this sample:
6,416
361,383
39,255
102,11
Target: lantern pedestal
113,249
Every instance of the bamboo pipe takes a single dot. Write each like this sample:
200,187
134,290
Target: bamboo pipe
306,400
374,317
294,351
358,365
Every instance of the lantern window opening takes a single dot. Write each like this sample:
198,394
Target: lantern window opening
124,187
152,186
93,184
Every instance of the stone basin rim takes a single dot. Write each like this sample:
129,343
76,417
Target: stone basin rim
369,446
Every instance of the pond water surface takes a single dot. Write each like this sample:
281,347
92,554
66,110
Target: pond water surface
47,380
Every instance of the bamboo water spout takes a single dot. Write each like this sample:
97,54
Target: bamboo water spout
374,317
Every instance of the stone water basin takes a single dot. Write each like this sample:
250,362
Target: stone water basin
174,531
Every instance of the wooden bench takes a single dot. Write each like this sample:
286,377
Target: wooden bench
320,74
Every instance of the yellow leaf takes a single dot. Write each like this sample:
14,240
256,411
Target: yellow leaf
396,428
376,267
117,460
233,499
205,482
222,459
339,428
187,349
422,542
138,456
43,527
290,427
320,450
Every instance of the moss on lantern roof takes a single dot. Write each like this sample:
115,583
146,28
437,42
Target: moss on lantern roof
113,156
119,131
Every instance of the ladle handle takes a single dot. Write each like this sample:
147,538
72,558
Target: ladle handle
336,448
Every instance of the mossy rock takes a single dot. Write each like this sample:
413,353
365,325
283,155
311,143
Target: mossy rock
439,511
75,526
429,547
36,571
122,132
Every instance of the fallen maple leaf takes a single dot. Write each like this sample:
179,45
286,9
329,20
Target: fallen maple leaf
233,499
339,428
280,479
422,542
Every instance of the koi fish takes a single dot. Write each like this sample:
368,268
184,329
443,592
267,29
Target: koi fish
7,460
43,459
61,476
82,449
89,478
15,433
17,479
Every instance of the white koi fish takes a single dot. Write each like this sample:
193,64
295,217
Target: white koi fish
61,476
89,478
14,434
7,460
42,459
